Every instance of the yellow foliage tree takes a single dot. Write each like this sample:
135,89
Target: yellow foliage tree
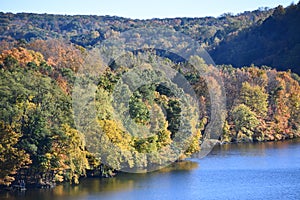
11,158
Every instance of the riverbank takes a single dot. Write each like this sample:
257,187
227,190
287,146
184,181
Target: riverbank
265,170
104,172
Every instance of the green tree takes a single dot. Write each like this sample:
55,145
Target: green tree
245,122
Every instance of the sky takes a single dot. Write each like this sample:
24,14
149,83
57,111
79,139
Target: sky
139,9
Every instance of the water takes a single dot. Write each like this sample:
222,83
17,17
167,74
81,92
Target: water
236,171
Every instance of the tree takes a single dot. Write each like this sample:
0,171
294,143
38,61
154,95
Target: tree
227,136
58,53
245,122
138,110
69,151
255,98
22,55
11,157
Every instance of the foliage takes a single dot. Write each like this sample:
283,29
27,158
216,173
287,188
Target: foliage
245,122
37,130
274,42
255,98
11,157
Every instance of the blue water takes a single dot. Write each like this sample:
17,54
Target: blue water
244,171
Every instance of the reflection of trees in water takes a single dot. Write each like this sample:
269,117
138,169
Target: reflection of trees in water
179,166
94,185
251,149
123,182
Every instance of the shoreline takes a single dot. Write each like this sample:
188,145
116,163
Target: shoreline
15,189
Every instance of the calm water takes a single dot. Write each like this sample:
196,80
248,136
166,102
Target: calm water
243,171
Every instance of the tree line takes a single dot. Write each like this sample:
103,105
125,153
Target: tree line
38,133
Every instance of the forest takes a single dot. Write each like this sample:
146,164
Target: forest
41,55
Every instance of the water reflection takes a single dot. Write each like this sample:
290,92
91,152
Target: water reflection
95,186
252,149
179,166
257,156
228,172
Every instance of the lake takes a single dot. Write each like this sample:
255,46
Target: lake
233,171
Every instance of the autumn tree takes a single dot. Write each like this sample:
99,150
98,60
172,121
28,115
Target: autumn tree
58,53
255,98
12,158
22,55
69,151
245,122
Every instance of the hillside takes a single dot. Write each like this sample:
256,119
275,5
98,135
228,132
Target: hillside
89,30
276,43
38,136
57,124
260,37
